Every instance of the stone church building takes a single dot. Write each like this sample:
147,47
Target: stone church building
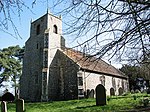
52,71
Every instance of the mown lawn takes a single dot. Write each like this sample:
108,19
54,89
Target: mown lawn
114,104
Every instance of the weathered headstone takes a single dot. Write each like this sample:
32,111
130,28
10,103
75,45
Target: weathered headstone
132,91
100,95
91,94
112,92
3,106
120,90
8,97
88,92
19,105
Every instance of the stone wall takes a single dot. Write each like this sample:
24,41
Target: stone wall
63,78
93,79
30,85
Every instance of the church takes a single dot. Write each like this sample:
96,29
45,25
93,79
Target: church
51,71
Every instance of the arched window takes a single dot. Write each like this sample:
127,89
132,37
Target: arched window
55,29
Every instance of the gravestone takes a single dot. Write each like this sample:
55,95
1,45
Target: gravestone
3,106
19,105
132,91
137,91
8,97
87,95
120,90
100,95
91,94
112,92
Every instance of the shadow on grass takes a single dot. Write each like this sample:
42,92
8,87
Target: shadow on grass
105,107
86,107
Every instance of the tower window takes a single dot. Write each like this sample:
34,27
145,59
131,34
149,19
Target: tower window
38,29
55,29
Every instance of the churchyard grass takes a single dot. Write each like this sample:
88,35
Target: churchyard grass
115,104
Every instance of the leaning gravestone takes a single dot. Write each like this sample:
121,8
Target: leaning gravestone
100,95
91,94
8,97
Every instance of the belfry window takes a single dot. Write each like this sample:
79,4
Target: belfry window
55,29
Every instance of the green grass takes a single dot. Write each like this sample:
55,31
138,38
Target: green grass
114,104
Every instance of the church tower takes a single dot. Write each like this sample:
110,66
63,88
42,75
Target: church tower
45,38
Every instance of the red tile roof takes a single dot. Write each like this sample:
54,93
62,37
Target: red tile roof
93,64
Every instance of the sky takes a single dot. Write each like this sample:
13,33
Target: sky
23,25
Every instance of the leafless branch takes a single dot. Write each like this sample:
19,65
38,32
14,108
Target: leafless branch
127,21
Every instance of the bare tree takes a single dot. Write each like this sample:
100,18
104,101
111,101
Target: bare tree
111,28
9,8
118,28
